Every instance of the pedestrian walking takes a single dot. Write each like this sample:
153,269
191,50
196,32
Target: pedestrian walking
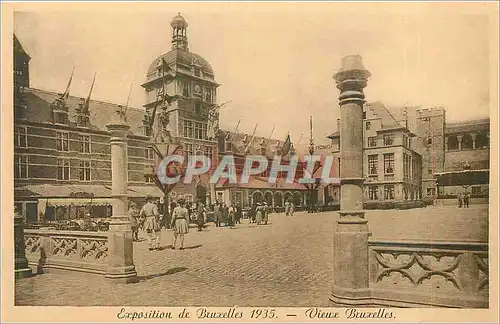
217,213
258,214
224,214
265,213
238,214
180,223
466,200
253,213
287,208
232,216
200,214
460,200
133,216
150,212
291,208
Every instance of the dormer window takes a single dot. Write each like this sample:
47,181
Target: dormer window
83,121
197,72
60,117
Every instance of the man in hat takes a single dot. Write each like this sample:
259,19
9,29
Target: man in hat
150,212
133,215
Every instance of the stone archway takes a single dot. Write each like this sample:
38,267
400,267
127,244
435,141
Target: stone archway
278,199
297,198
268,197
257,196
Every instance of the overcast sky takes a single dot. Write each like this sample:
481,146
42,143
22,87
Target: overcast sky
275,62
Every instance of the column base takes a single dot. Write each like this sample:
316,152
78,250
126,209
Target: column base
122,275
23,273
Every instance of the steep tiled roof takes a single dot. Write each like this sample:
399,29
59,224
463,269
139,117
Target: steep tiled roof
238,145
39,110
18,48
377,109
478,125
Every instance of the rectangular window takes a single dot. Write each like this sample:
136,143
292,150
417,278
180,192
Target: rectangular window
21,137
85,170
429,171
476,190
429,141
198,130
208,95
389,163
388,192
388,139
189,149
208,151
149,153
372,141
185,89
197,108
84,141
21,167
188,128
62,141
373,192
197,72
368,125
63,169
372,164
61,117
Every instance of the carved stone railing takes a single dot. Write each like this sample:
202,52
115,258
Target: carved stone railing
66,250
428,274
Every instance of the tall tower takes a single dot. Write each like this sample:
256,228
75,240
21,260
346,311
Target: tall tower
21,78
181,94
430,128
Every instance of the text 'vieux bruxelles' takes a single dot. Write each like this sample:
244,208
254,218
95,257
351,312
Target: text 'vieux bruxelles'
179,168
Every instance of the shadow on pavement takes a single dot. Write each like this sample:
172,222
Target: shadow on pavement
192,247
166,273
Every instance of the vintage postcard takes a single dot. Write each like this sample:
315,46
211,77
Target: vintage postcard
249,162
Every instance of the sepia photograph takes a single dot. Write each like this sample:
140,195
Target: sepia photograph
242,160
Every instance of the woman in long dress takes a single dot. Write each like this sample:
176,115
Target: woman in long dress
258,214
180,223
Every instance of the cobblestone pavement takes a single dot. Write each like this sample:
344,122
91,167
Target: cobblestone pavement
285,263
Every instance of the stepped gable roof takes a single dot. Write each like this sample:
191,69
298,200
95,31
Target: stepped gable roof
39,110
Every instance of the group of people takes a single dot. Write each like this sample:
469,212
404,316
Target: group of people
260,213
463,200
229,213
148,219
289,208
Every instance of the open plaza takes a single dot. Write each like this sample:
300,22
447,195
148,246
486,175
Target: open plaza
288,262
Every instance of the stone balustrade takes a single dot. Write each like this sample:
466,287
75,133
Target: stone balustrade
50,249
428,274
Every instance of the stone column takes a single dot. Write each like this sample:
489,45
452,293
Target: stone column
459,139
350,274
473,135
121,268
21,268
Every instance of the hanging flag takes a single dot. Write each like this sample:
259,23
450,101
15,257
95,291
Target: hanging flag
87,101
66,92
285,149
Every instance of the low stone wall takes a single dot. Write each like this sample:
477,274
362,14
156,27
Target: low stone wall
428,274
49,249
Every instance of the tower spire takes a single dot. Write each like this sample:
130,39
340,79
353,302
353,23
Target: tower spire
179,32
